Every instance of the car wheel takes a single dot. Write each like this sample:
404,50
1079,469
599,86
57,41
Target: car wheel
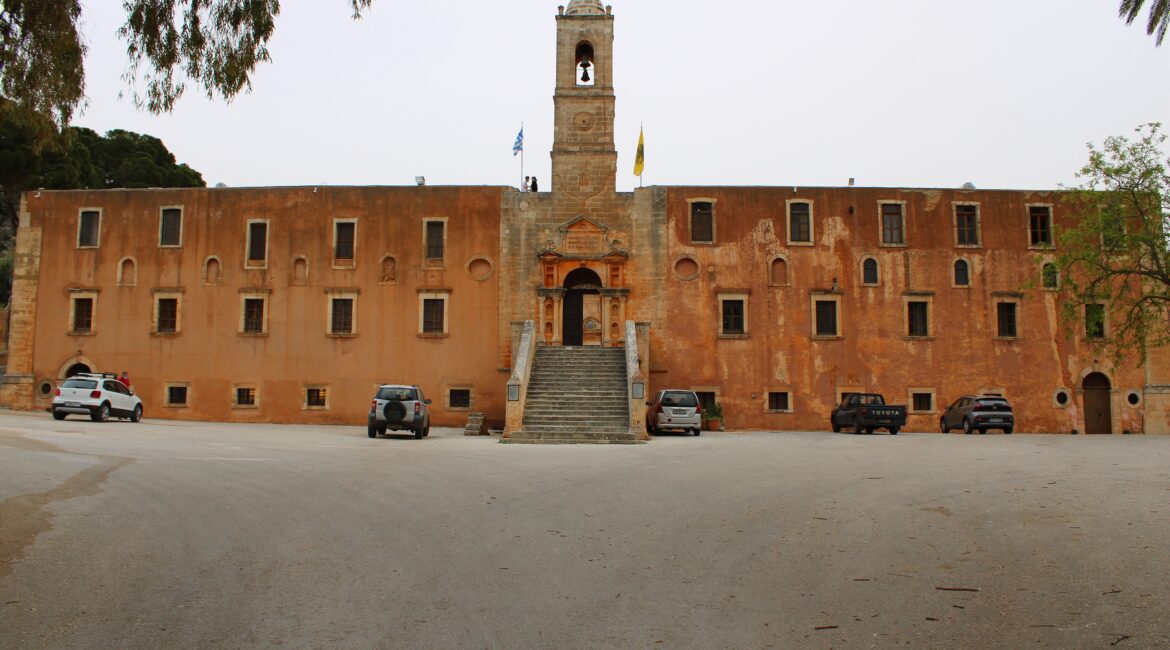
1007,431
857,429
967,427
418,433
942,426
427,430
102,414
58,415
893,431
137,414
869,429
698,432
382,430
373,432
833,423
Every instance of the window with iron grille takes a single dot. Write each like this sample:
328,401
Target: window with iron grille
88,229
83,314
170,229
433,309
168,315
1040,225
826,313
892,224
245,396
257,241
967,225
1006,320
962,273
176,395
917,312
316,397
733,317
344,236
799,222
460,398
435,240
254,315
1095,321
778,401
869,271
702,222
342,321
922,401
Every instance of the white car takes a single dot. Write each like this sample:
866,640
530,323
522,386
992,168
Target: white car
100,396
674,409
397,406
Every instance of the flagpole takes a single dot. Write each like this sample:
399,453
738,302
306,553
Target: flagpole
522,188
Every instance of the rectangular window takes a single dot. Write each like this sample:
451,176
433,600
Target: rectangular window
89,229
706,400
778,401
245,396
435,240
826,318
1040,226
702,222
1095,321
341,320
316,397
799,222
83,315
176,395
893,224
733,317
170,227
257,242
922,402
1006,320
168,315
460,398
917,313
253,315
343,237
967,225
433,315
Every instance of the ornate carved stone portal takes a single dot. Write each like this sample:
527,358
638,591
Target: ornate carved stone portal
582,300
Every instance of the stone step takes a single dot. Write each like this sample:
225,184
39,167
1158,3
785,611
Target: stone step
530,436
579,423
564,428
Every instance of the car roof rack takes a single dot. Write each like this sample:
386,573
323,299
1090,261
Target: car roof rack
102,375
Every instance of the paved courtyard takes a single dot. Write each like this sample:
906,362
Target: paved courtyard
190,535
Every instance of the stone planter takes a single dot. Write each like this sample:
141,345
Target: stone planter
712,425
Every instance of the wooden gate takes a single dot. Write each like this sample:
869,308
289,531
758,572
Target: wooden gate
1098,412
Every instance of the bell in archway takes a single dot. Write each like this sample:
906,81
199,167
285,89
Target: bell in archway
585,65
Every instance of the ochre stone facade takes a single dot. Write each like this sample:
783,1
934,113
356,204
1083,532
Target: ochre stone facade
725,285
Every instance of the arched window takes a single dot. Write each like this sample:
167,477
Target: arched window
962,273
869,271
300,271
127,273
211,274
779,272
1050,276
586,70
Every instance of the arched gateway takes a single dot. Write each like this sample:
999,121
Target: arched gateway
582,308
1098,413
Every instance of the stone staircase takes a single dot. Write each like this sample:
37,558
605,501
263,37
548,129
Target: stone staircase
577,395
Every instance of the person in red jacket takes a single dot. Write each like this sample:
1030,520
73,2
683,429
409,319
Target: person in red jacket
125,378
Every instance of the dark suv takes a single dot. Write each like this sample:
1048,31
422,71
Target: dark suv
978,413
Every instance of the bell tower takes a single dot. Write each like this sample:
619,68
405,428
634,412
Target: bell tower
584,161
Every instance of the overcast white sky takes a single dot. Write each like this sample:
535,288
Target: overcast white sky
914,93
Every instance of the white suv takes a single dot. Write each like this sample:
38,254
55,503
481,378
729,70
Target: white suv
399,407
99,396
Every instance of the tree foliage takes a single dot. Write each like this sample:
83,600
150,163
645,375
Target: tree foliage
1158,20
212,44
1118,253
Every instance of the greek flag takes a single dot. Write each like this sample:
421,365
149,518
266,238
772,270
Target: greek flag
519,146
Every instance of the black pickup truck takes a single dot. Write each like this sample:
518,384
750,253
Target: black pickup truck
866,412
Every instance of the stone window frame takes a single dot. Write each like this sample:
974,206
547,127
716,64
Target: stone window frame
182,219
727,295
823,296
1068,398
252,264
881,224
470,397
479,258
1051,231
434,293
691,201
1136,404
435,262
768,400
1044,264
1105,324
918,296
812,228
253,294
235,396
342,263
161,293
911,392
955,285
861,271
1006,298
305,406
166,400
100,218
787,271
346,293
120,276
90,294
686,278
978,223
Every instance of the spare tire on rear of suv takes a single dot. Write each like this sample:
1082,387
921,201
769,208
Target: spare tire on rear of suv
394,411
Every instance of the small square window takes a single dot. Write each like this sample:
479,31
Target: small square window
341,321
918,314
83,315
460,398
733,317
170,227
826,318
316,397
433,315
89,229
1040,226
168,315
176,395
778,401
254,315
245,396
922,402
702,222
1006,320
800,222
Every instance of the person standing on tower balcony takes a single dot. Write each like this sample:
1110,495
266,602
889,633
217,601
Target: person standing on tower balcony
527,184
532,186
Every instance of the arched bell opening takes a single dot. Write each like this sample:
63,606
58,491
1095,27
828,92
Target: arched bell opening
581,310
586,70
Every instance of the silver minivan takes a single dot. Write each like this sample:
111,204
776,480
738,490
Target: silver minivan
674,409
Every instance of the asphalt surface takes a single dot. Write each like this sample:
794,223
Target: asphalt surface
192,535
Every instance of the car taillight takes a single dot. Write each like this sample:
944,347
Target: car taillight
660,409
95,394
417,408
373,405
57,392
864,412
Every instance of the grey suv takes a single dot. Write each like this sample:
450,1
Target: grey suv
399,407
978,413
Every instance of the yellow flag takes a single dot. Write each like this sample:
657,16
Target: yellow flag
640,159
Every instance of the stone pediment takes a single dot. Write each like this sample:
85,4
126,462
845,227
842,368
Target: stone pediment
583,238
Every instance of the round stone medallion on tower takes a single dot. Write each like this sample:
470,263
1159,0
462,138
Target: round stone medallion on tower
585,8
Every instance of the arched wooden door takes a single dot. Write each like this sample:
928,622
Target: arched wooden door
1098,413
579,283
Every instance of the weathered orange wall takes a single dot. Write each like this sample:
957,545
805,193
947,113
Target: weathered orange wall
211,354
961,357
